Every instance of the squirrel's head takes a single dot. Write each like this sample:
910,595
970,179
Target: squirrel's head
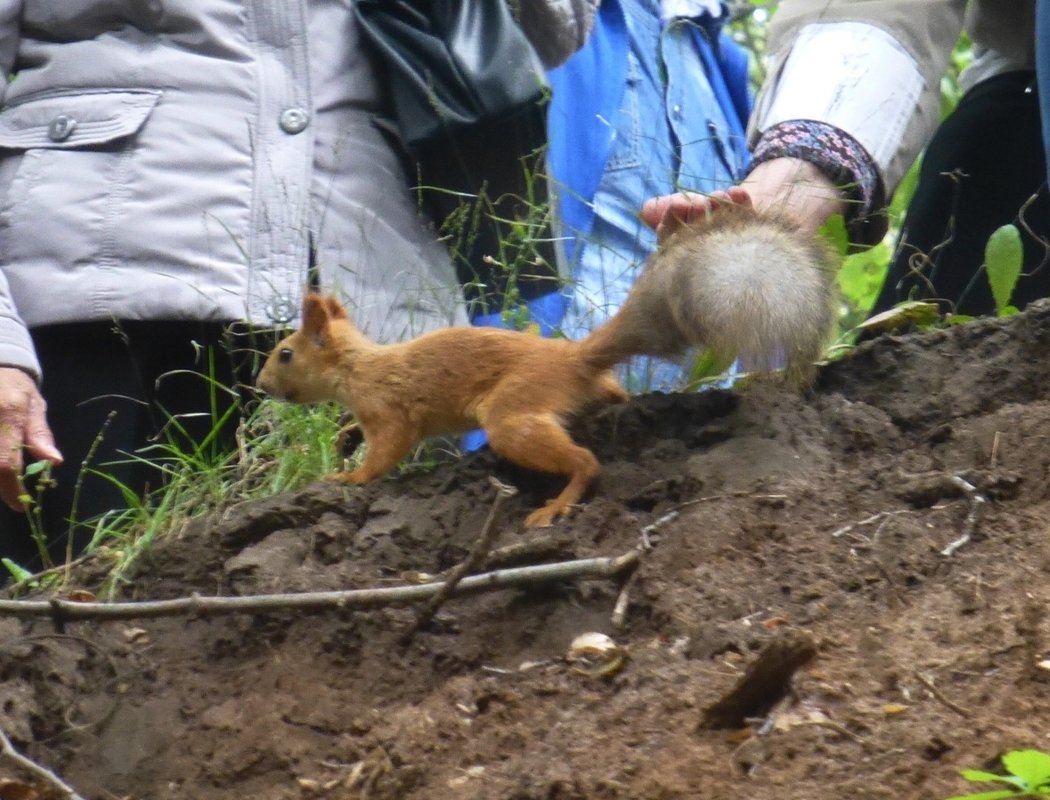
301,368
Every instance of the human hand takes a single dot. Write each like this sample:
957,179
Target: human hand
788,187
660,213
23,424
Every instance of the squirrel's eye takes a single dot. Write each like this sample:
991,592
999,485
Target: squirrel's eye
285,355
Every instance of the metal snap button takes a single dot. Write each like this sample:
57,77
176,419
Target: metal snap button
294,120
61,128
281,310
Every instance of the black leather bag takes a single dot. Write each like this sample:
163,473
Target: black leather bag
450,63
467,96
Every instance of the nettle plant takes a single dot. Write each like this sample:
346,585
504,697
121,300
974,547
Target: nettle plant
1028,776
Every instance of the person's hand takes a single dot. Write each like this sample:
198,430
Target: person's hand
23,424
788,187
658,212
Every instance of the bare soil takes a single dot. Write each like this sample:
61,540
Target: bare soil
822,517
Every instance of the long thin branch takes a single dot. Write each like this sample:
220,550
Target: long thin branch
7,750
478,553
65,611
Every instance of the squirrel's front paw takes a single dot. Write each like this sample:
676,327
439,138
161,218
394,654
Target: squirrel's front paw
344,477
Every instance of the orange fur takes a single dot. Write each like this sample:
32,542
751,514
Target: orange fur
522,388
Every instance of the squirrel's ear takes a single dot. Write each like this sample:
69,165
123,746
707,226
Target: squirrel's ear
334,307
315,314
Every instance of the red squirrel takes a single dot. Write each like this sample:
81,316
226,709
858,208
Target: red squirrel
739,283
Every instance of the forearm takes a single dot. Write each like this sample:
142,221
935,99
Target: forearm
870,69
16,346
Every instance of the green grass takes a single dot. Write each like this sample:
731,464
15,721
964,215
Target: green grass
279,447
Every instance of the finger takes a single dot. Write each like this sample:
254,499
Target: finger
682,205
690,206
654,209
39,441
734,195
11,466
740,196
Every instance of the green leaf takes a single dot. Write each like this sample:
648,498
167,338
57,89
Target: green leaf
912,312
36,467
834,232
1031,766
980,776
1003,257
861,276
905,190
18,572
707,366
996,795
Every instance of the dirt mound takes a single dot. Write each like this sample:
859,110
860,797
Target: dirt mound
825,516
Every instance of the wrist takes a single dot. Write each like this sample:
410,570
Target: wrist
797,189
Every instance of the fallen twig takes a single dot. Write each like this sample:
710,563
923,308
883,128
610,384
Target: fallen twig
882,515
65,610
646,543
475,558
8,750
970,525
623,600
838,728
941,697
531,550
730,496
655,526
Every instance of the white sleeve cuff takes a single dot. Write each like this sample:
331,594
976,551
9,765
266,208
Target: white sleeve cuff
851,75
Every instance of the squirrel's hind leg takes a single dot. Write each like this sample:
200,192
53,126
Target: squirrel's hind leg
538,441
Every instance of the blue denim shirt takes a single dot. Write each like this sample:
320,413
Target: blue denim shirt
643,109
675,124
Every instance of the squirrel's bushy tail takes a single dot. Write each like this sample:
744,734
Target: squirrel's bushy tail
741,284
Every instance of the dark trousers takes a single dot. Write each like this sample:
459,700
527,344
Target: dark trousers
982,166
162,382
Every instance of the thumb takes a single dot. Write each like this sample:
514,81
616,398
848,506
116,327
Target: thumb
37,437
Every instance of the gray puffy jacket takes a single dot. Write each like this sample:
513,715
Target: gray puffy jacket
172,159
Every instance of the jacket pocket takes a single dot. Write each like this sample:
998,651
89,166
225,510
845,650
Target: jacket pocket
69,120
66,160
